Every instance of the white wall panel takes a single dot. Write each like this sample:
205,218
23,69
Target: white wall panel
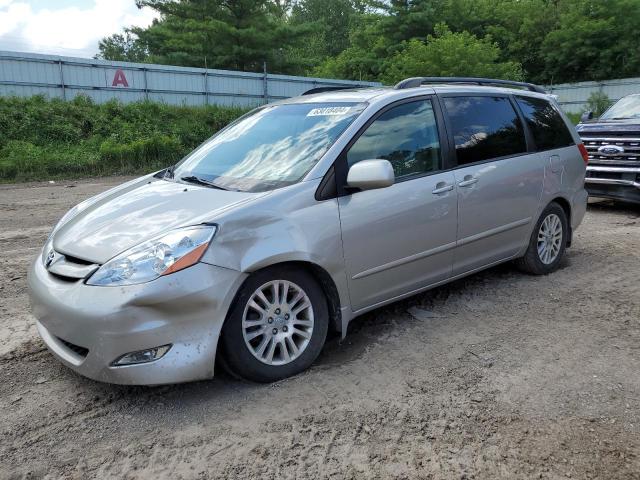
26,74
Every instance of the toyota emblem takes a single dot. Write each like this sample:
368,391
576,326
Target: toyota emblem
50,258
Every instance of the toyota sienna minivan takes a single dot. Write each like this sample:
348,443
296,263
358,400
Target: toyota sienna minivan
300,216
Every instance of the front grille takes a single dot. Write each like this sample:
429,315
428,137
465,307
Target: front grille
613,175
68,268
83,352
630,156
79,261
65,278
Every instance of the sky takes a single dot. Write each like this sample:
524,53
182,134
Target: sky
65,27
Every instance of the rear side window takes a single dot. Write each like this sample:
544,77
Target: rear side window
406,135
547,127
484,128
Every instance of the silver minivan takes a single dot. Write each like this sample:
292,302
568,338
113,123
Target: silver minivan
300,216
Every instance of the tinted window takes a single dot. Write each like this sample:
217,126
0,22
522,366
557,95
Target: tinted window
405,135
548,129
484,128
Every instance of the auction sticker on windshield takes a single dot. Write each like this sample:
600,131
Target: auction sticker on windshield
325,111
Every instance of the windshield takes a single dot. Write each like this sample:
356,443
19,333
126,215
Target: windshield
269,148
627,107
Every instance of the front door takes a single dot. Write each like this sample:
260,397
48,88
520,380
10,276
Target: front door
499,183
400,238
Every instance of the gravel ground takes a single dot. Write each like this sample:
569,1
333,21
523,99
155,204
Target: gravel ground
499,375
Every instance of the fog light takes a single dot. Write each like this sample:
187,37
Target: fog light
142,356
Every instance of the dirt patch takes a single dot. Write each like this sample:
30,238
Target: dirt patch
499,375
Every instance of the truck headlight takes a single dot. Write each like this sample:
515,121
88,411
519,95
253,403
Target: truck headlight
162,255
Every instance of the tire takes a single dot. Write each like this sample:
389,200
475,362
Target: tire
260,325
537,262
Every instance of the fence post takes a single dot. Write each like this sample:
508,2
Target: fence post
64,94
265,83
146,87
206,87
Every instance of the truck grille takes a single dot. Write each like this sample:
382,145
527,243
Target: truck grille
630,156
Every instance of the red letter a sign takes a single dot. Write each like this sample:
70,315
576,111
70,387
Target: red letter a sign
119,79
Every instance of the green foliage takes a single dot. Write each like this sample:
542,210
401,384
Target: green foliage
330,21
364,58
598,102
122,47
593,41
554,41
574,117
142,153
42,139
450,54
236,35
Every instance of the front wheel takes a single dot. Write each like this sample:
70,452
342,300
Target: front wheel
547,243
277,326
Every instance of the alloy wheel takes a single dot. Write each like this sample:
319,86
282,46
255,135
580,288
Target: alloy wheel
549,238
277,323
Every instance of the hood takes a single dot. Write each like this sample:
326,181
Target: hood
605,126
112,223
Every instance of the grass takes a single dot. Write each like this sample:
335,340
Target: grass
43,139
574,117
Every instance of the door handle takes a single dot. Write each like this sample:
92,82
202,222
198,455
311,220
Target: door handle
442,187
468,181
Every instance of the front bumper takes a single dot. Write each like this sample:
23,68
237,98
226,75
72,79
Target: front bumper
620,183
88,327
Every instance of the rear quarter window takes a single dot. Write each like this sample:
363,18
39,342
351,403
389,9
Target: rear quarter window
547,126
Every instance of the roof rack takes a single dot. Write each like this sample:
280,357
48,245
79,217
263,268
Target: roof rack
330,89
419,81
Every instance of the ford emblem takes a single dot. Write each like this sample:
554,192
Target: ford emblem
610,150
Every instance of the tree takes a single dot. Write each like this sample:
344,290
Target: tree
331,22
408,19
597,103
544,41
122,47
229,34
450,54
364,58
593,41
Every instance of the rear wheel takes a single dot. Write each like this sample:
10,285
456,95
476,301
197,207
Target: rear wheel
547,243
277,326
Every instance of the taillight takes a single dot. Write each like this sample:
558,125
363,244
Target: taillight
583,152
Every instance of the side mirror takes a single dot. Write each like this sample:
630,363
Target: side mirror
371,174
586,116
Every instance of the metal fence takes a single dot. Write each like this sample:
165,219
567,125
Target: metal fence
27,74
573,96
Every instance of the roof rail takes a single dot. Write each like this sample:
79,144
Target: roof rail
333,88
419,81
329,89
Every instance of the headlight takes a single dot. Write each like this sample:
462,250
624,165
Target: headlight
159,256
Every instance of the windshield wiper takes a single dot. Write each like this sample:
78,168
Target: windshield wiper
201,181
